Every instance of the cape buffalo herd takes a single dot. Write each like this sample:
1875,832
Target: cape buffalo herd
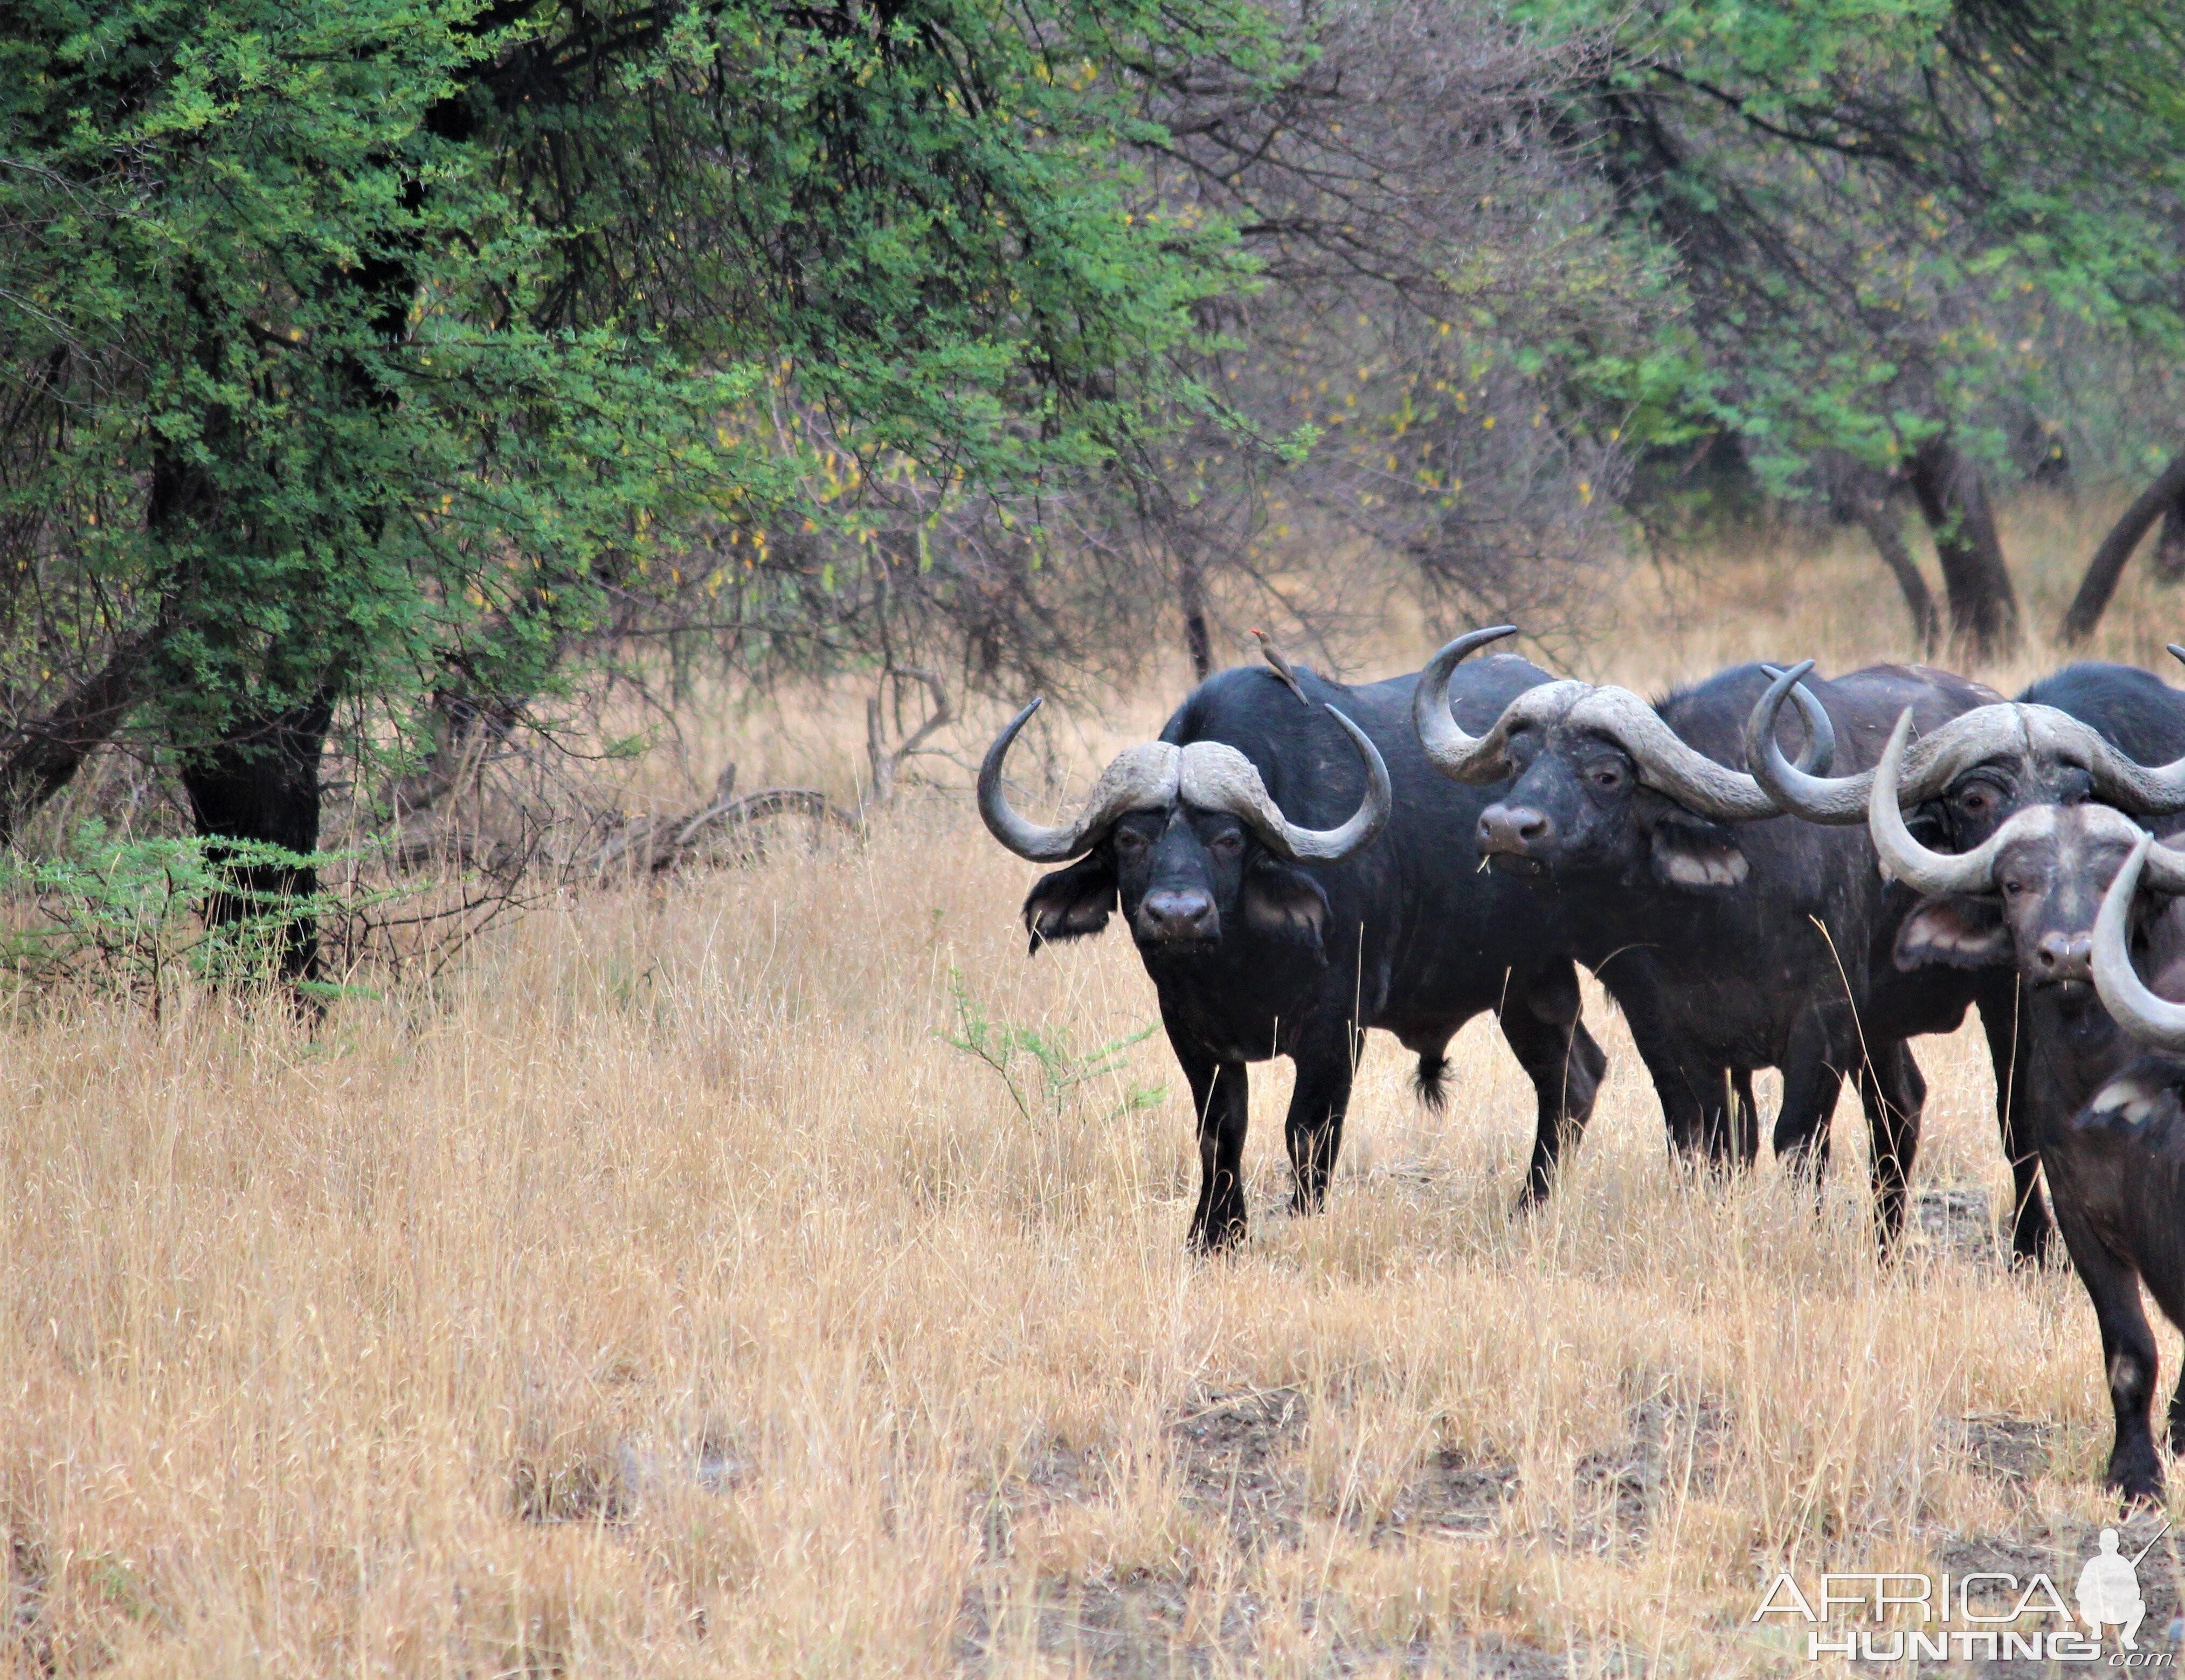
1263,939
1765,869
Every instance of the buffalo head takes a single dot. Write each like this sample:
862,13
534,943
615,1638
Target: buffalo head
1973,770
1602,785
1188,840
2030,893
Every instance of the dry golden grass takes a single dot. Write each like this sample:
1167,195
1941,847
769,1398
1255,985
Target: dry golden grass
668,1295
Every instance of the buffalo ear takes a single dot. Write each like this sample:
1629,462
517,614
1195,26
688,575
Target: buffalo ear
1072,903
1284,903
1699,856
1958,933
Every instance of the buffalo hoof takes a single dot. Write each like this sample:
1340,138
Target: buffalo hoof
2138,1480
1217,1236
2032,1251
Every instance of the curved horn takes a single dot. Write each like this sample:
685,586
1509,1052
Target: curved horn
1804,789
1468,758
2002,730
1216,777
1135,778
2140,790
2137,1008
1937,873
1669,764
1821,751
2166,871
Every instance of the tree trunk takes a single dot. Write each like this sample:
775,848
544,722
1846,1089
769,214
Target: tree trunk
1874,518
1191,592
2107,566
1952,498
51,750
261,783
2169,555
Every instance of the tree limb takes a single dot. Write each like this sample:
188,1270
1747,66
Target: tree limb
50,752
2108,564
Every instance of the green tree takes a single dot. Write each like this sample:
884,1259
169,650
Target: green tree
1902,227
368,351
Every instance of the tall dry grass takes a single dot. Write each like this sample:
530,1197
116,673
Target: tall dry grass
667,1293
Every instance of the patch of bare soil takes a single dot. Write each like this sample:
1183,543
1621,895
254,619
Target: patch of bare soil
1053,1475
2014,1449
1237,1453
1454,1496
1678,1445
1956,1225
1143,1628
1137,1629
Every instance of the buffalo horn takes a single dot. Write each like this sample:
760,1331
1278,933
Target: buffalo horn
1803,790
1216,777
1138,778
1664,762
2127,997
1935,874
1667,763
1467,758
1971,737
1211,775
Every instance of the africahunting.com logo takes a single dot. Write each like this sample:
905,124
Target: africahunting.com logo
1980,1616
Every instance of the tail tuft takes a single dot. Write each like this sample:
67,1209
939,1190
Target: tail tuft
1431,1082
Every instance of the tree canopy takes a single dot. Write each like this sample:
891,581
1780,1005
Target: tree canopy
367,349
403,358
1907,232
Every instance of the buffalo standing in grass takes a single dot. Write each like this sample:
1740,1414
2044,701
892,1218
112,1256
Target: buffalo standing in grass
2032,894
2116,1168
2091,731
1264,938
1733,937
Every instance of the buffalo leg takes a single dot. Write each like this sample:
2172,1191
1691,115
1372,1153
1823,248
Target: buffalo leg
1748,1116
2128,1354
1721,1123
1894,1094
1812,1081
1220,1097
1327,1060
1680,1074
2032,1232
1566,1066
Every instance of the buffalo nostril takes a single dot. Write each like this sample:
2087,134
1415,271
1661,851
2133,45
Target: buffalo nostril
1177,914
1512,828
2064,955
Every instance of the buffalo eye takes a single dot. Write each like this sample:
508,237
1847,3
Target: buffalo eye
1976,800
2012,887
1129,842
1605,775
1228,844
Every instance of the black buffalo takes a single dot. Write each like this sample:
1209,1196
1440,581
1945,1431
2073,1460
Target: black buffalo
1258,949
2111,732
1755,940
2031,895
2117,1166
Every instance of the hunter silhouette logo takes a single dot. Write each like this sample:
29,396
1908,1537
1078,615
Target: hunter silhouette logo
1981,1614
2108,1588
